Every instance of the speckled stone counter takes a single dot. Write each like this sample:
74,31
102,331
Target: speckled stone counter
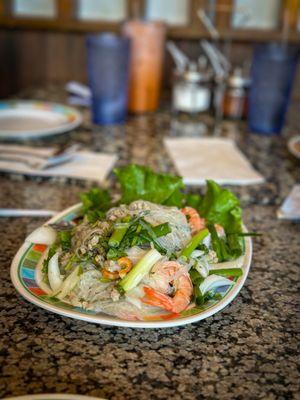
247,351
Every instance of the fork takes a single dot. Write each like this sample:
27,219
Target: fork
61,155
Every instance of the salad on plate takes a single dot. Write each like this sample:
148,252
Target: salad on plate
151,253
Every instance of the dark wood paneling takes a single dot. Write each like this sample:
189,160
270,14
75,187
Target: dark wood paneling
67,21
223,14
38,58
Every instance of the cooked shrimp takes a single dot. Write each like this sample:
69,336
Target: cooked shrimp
195,221
163,274
125,264
167,274
175,304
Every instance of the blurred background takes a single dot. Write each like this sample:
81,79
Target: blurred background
205,89
43,41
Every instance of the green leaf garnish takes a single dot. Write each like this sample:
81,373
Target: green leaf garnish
95,203
138,182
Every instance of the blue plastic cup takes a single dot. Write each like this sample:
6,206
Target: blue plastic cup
272,76
108,67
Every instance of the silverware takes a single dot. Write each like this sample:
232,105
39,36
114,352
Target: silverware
20,212
32,163
38,158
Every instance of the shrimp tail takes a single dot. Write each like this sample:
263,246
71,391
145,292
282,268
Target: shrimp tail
154,298
195,221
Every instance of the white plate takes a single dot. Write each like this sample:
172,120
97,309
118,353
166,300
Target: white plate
20,120
294,146
25,277
53,397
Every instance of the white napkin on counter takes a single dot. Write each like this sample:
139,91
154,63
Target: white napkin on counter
198,159
290,208
83,165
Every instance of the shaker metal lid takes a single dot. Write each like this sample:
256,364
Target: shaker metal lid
193,74
238,80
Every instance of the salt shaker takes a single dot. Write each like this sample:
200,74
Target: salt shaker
192,90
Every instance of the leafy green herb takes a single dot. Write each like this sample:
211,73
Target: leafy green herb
64,239
95,203
114,254
219,245
80,270
245,234
162,229
227,247
196,278
203,248
193,200
74,259
138,233
138,182
51,252
149,234
199,298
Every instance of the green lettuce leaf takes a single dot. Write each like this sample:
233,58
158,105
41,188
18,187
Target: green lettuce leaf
193,200
138,182
217,204
220,206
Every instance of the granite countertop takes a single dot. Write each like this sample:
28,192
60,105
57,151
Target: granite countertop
247,351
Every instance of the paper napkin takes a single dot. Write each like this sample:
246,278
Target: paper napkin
198,159
290,208
83,165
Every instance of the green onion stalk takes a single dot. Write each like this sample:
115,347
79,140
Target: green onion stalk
118,234
236,272
139,271
194,243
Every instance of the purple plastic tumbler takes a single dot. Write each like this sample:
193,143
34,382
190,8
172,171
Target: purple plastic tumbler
108,67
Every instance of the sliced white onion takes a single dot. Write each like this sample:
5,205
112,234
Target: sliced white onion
197,253
54,273
238,263
134,300
207,240
43,235
203,269
134,296
213,282
68,284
